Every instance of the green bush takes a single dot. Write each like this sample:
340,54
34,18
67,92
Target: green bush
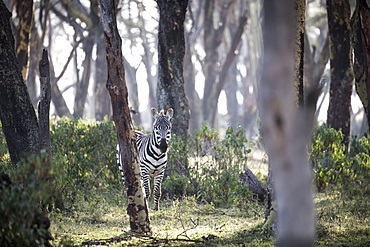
212,169
332,163
21,223
84,158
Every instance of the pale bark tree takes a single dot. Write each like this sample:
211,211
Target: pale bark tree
137,207
285,130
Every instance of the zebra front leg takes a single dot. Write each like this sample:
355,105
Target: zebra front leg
146,185
157,190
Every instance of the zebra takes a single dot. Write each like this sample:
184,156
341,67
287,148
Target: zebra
152,150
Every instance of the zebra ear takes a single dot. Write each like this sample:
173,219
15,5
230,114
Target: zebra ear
154,112
169,113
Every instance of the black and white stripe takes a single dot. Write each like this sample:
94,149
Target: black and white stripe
152,150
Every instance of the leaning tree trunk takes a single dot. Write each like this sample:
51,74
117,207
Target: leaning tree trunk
19,121
137,207
360,23
341,73
285,130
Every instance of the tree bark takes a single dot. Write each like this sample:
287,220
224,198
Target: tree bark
341,73
19,121
285,130
300,10
82,85
25,14
360,23
44,105
171,49
137,207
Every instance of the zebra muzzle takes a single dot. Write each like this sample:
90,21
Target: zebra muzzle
163,145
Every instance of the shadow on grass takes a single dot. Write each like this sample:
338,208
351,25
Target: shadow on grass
254,236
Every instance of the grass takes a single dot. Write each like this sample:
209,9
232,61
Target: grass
342,221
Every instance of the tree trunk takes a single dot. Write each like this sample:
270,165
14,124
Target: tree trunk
137,207
300,10
102,104
360,40
83,84
191,93
341,73
134,93
19,121
35,49
171,50
215,76
44,105
232,103
285,130
25,14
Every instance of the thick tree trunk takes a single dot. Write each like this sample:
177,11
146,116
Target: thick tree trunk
360,39
285,130
137,207
171,50
341,73
19,121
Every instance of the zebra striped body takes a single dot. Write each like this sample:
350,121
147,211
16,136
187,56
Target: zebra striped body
152,150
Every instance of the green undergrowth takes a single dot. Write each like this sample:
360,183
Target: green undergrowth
183,222
341,221
203,201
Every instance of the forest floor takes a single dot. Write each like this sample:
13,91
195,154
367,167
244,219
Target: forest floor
341,221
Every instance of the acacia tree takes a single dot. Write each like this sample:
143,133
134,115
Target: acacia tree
19,121
215,75
285,130
341,73
137,207
171,49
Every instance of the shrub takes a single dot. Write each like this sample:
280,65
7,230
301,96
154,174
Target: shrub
213,168
333,165
83,157
21,223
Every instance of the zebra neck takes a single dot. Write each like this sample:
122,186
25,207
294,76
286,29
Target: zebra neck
155,147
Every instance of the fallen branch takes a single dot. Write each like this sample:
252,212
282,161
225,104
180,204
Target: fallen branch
254,185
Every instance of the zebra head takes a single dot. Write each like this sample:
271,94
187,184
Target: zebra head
162,128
